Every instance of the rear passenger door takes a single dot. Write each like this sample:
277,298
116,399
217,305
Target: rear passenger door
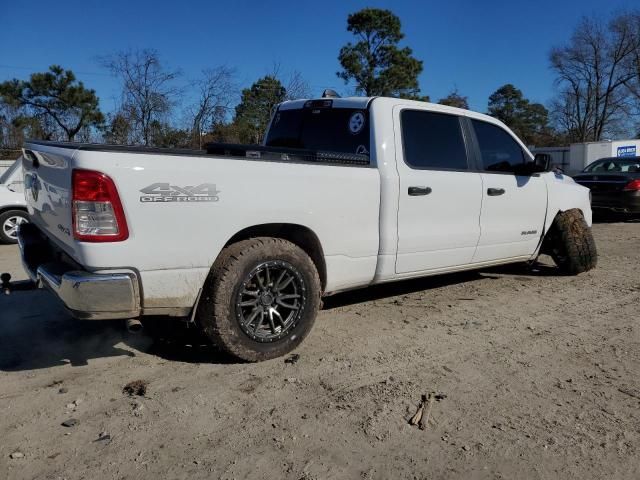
513,204
440,197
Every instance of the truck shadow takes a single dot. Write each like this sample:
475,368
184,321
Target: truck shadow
406,287
36,332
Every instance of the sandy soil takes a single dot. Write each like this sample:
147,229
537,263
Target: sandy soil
541,375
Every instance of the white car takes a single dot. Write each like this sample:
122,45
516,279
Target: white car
13,207
245,240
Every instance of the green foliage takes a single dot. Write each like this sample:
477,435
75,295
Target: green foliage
253,113
454,99
32,127
16,126
224,132
530,121
375,62
165,136
418,98
57,95
118,130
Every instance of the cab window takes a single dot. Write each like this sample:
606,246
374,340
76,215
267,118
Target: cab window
432,140
499,151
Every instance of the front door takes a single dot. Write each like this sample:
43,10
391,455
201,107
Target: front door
440,198
513,205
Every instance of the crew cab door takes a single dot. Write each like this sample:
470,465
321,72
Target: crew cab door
440,197
513,205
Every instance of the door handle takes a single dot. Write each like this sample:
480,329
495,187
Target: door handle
494,192
417,191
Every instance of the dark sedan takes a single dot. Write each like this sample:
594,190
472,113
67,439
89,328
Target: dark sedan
614,183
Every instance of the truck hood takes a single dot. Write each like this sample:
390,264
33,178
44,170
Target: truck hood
560,178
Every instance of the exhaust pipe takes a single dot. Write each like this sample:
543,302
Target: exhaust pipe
134,325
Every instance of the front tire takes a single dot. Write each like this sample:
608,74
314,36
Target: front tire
9,223
260,299
570,243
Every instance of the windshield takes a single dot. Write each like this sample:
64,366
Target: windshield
343,130
6,176
614,165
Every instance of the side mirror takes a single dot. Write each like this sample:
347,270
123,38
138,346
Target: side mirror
542,162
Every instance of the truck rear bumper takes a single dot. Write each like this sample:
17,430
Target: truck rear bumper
86,295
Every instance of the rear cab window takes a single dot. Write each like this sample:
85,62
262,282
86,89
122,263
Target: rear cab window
344,130
433,140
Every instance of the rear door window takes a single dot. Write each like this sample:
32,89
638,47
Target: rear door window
432,140
499,151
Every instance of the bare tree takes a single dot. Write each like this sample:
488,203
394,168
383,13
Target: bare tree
593,71
296,85
216,91
148,90
633,84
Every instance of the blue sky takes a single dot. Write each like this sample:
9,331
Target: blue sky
475,46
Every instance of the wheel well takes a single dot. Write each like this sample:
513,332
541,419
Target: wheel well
299,235
544,246
13,207
563,211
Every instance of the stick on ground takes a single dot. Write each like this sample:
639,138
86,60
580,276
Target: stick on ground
424,421
418,415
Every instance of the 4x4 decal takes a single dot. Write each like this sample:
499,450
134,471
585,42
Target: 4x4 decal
165,192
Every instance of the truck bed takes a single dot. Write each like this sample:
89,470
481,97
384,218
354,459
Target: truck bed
183,206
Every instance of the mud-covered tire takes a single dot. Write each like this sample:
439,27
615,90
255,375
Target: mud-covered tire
570,243
219,313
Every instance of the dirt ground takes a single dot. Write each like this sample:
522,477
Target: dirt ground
540,376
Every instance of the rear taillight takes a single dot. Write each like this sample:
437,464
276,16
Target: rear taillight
97,212
633,185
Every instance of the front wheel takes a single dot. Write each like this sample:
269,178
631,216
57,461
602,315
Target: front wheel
10,221
260,299
570,243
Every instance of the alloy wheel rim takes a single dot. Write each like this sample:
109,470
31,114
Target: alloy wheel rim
11,225
270,301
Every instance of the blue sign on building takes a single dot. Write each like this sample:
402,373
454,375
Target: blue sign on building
628,151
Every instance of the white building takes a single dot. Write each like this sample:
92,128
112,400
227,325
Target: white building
574,158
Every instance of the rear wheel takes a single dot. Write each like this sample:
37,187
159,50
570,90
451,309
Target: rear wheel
260,299
9,223
570,243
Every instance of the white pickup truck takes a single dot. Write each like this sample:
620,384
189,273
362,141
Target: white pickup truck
244,241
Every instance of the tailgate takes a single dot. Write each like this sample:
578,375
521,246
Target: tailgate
47,184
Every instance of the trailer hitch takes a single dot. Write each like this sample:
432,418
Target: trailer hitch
8,287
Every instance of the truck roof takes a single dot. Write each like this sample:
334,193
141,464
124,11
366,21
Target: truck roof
363,102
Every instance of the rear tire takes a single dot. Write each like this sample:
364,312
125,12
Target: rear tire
9,222
570,243
260,299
